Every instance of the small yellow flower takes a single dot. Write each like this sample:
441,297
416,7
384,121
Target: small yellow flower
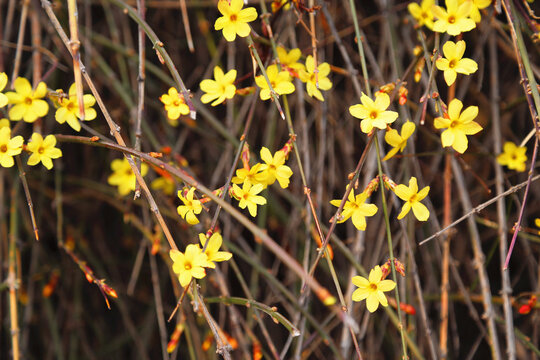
212,250
422,13
247,196
235,19
280,81
3,83
357,209
412,196
454,63
513,156
190,208
455,19
247,175
289,60
219,89
281,5
372,289
68,110
273,169
43,150
175,105
9,147
373,113
164,183
458,124
28,103
310,77
398,142
477,5
191,264
123,176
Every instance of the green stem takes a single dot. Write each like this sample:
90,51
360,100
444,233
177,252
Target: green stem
390,245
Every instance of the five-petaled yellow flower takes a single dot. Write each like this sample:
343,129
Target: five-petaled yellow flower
273,169
123,176
422,13
175,105
212,250
9,147
190,264
190,208
247,175
477,5
398,142
289,60
412,196
235,19
454,63
43,150
247,195
372,289
3,83
357,209
455,19
315,81
458,125
280,81
68,110
373,113
28,103
513,156
219,89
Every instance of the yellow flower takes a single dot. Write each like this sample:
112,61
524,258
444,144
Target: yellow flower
247,175
235,19
9,147
458,124
212,250
247,196
273,169
68,110
357,209
123,176
309,76
281,5
280,81
175,105
455,19
219,89
28,104
454,62
373,113
514,157
398,142
372,289
164,183
289,60
477,5
3,83
191,264
43,150
422,13
412,196
190,208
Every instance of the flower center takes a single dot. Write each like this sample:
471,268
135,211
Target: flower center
412,198
373,115
3,148
28,100
373,287
233,18
41,150
245,196
454,124
452,64
451,19
187,266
